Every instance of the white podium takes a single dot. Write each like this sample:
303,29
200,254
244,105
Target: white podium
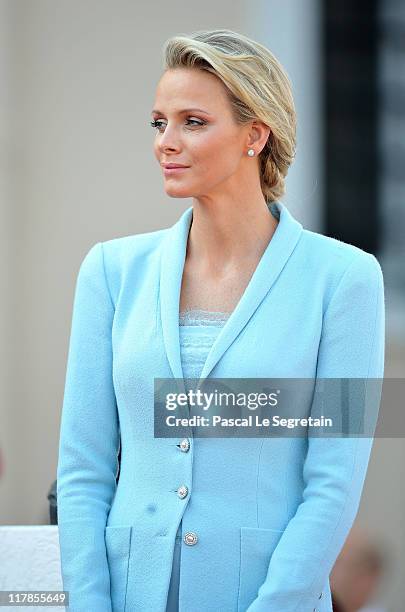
30,561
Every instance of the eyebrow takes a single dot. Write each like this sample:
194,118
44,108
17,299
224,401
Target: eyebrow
185,110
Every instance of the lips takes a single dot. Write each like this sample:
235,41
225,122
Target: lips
174,170
173,165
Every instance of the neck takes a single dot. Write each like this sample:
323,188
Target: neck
222,236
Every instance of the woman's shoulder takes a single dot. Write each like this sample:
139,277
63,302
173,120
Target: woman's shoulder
134,243
328,263
117,253
115,258
334,256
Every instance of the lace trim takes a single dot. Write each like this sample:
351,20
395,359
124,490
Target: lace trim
199,316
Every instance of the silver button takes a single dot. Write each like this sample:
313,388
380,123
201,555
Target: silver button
184,445
190,538
182,491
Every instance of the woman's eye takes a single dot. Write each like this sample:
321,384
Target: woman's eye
195,121
158,124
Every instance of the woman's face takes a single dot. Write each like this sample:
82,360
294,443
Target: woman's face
207,140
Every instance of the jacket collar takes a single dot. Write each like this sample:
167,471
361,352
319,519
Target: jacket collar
273,260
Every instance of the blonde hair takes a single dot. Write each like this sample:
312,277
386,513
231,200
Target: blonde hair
257,87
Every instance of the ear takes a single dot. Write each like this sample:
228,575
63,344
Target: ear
258,135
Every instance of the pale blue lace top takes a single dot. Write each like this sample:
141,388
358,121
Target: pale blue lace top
198,329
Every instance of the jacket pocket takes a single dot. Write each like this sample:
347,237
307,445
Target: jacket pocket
118,545
257,545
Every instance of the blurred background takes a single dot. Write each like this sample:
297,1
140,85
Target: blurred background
77,83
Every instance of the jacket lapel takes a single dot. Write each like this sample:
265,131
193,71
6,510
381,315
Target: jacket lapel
268,269
171,273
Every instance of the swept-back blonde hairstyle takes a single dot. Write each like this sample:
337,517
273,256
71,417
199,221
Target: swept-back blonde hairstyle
257,87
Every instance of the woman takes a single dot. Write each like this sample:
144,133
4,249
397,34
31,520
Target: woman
236,288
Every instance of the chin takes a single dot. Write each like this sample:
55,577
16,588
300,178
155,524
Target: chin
177,192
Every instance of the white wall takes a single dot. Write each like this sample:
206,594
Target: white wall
292,30
9,433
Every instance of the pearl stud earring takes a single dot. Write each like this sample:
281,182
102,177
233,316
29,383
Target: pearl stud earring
251,152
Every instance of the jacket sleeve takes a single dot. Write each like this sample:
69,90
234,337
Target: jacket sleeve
88,444
352,345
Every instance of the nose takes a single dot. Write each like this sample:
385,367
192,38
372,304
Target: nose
168,141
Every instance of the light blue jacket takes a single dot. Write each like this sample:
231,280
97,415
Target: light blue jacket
270,514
